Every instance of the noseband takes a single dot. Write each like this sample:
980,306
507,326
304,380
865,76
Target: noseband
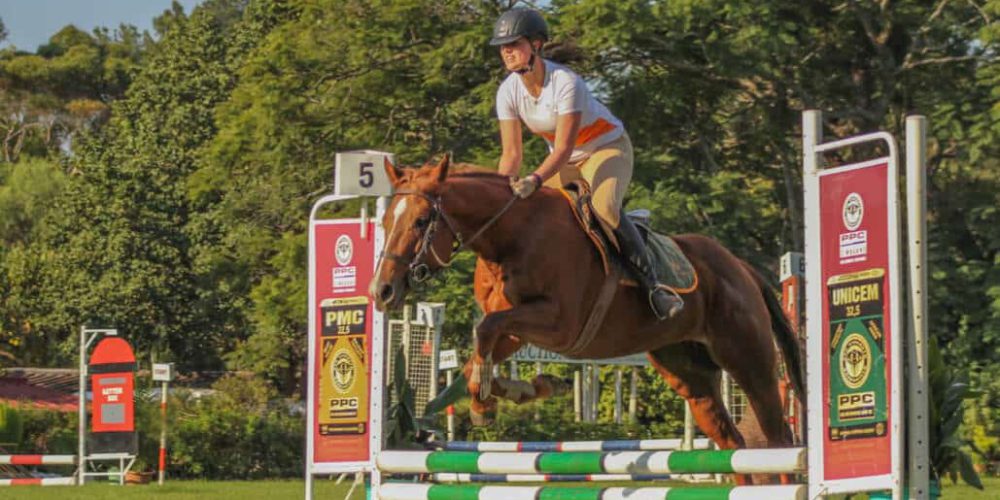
419,271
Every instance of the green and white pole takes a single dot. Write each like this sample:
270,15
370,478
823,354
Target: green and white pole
412,491
757,461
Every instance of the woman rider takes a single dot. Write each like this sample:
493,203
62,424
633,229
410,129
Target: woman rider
584,138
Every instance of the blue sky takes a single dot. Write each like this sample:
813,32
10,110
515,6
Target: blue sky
30,23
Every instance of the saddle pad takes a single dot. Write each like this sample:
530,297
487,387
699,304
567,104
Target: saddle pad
672,267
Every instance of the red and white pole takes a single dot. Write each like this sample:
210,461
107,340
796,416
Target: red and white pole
163,372
451,408
163,434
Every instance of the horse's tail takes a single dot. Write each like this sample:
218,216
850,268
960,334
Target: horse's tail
788,340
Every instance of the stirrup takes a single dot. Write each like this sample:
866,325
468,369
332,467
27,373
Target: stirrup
675,308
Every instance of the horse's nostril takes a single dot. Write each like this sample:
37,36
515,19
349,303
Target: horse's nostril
385,293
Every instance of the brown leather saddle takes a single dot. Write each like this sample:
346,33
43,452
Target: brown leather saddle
673,269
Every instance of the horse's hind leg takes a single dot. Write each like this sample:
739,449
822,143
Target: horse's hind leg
758,378
689,369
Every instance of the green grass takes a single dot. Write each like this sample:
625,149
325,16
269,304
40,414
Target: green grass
962,492
251,490
185,490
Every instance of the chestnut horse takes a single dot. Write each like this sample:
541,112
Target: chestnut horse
538,277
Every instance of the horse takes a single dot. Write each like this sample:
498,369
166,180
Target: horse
538,277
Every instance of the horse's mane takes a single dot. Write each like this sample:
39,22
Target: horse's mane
469,170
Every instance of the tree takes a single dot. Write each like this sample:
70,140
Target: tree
122,237
409,77
28,191
47,98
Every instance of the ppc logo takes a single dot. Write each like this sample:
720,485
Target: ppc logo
344,250
854,211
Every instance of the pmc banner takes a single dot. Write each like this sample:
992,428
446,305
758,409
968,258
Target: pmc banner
343,263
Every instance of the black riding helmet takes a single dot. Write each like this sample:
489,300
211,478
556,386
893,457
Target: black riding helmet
516,23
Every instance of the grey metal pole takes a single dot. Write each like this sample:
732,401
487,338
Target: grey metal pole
618,395
917,405
633,397
577,396
538,371
595,388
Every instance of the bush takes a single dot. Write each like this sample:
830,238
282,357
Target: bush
239,432
47,432
11,425
555,422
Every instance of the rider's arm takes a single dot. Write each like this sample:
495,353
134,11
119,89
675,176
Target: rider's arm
567,127
510,138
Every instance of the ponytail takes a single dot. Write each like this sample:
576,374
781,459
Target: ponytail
563,52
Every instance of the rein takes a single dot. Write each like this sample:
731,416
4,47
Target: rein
419,270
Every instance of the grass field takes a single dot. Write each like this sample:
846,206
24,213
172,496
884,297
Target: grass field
327,490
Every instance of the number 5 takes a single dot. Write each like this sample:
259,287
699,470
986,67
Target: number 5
367,178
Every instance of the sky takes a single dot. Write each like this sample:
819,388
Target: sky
30,23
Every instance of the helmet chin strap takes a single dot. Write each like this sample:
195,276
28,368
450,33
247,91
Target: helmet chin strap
531,63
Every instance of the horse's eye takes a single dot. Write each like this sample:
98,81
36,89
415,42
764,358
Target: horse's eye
422,222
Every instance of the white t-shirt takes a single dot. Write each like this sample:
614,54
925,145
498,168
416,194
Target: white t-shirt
562,92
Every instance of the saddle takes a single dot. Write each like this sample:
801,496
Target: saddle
672,267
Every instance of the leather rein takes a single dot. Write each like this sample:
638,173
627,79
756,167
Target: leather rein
419,271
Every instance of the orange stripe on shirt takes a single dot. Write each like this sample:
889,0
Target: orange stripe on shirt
586,134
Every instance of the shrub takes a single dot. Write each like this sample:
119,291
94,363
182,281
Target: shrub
239,432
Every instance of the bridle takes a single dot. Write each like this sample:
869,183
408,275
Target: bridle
419,271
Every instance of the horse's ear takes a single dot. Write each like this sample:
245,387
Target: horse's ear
392,171
441,170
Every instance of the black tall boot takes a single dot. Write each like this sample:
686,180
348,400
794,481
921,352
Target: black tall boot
664,303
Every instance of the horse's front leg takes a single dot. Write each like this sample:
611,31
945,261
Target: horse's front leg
493,344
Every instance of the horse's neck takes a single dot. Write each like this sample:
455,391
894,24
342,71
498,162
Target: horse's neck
472,204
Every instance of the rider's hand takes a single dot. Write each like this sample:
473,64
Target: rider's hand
523,188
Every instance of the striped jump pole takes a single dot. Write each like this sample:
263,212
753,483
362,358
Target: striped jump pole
37,459
456,477
28,460
39,481
413,491
755,461
549,446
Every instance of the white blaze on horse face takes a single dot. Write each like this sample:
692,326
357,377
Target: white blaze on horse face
396,213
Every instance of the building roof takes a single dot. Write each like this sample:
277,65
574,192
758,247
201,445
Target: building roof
46,388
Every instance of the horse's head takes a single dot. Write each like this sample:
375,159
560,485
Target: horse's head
419,237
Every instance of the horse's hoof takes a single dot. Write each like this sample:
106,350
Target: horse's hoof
483,412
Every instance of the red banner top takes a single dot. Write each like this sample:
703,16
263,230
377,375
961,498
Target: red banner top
112,350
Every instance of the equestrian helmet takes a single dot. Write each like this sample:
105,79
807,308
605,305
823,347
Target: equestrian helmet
516,23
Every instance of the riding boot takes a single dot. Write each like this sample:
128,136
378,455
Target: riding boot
664,303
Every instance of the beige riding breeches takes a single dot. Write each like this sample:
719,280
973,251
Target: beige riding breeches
608,171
